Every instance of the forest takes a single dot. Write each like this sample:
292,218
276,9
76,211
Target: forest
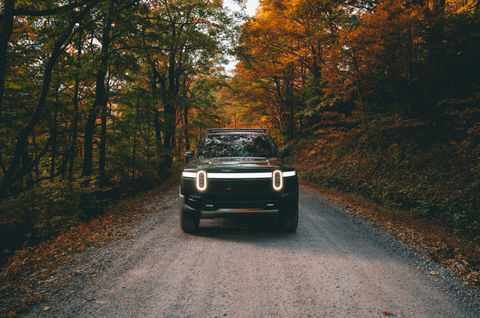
99,99
377,99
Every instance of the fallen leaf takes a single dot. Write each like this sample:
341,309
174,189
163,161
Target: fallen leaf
433,273
47,308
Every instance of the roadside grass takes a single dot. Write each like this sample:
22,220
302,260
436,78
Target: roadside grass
29,265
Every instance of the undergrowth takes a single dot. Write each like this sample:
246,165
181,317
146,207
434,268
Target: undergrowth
28,267
51,207
431,170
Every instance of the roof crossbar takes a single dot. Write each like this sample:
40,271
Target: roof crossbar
217,130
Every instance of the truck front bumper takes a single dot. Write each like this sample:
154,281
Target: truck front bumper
213,210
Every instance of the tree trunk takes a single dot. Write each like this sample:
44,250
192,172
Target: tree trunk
53,134
103,137
99,103
438,6
292,118
103,147
135,138
185,130
156,120
169,110
5,34
88,140
292,103
73,146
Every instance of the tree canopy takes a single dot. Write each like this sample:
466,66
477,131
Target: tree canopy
73,72
380,98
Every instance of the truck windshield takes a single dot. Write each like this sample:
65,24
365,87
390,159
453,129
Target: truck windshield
237,145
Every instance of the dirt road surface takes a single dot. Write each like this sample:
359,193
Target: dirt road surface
335,265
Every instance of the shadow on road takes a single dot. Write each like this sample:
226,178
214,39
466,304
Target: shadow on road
242,229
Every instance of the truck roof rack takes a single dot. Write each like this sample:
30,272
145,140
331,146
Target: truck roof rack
218,130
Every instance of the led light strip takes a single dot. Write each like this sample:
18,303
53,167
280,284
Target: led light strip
248,175
261,175
189,175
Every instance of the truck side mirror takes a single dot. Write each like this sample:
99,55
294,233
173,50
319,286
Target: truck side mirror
286,152
190,153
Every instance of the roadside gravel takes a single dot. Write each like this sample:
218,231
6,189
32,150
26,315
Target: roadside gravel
335,265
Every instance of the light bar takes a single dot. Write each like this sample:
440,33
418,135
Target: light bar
289,174
189,175
247,175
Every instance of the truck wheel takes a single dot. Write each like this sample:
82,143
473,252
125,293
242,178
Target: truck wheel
290,223
188,225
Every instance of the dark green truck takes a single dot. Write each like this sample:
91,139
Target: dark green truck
238,172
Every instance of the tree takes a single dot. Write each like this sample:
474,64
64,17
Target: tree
66,69
20,157
192,33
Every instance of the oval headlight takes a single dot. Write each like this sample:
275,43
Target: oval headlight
201,180
277,180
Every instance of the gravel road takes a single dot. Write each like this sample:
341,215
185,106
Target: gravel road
335,265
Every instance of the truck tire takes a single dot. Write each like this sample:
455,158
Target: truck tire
289,224
188,225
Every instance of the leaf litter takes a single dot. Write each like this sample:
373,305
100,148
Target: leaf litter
28,268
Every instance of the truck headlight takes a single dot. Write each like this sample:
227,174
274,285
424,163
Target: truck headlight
201,180
277,180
